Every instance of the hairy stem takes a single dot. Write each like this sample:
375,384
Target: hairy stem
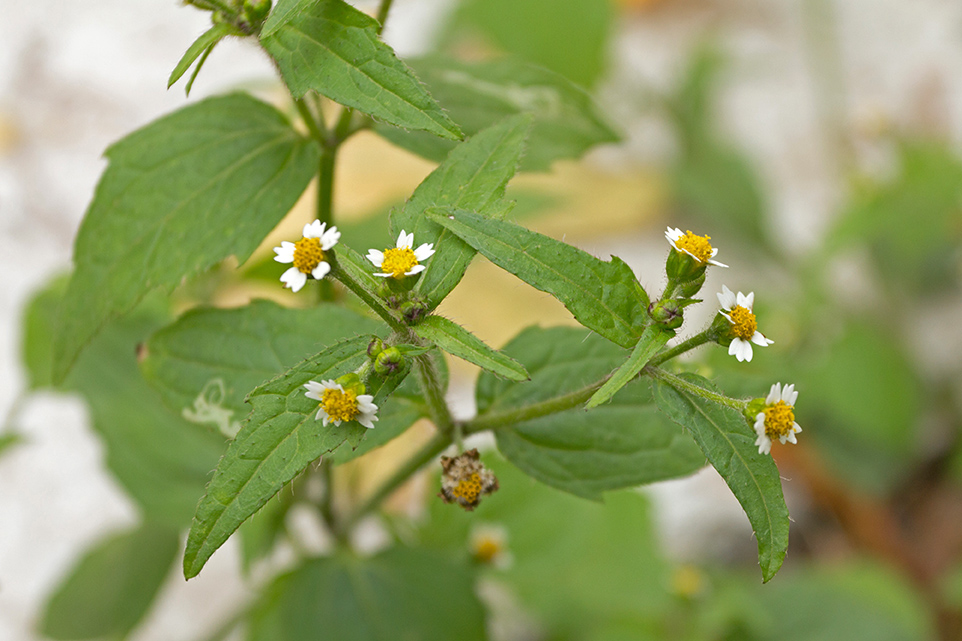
367,297
382,12
427,375
495,420
325,185
680,348
422,457
685,386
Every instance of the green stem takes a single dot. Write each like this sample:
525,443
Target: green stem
682,347
495,420
309,121
326,505
422,457
431,388
325,184
367,297
685,386
382,12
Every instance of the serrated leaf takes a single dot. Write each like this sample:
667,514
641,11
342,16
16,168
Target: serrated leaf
625,443
207,40
404,593
279,439
330,47
204,364
729,443
179,195
651,341
566,121
473,177
162,461
603,296
112,586
457,341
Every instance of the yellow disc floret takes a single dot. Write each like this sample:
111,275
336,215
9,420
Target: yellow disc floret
743,323
340,406
486,550
398,261
697,246
779,420
468,489
307,254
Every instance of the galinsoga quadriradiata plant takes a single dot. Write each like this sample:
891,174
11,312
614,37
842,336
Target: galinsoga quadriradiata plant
322,384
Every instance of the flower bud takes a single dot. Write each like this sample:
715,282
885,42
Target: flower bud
256,10
389,361
375,347
666,313
413,310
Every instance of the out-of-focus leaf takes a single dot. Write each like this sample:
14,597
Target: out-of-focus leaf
330,47
279,439
729,443
473,177
110,589
623,444
603,296
566,123
459,342
259,533
8,441
404,593
911,222
863,392
160,459
577,565
206,362
570,37
186,191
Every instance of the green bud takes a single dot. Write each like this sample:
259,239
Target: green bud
389,361
413,311
256,10
375,347
683,268
667,314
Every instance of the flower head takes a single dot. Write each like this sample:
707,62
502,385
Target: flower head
744,328
776,420
465,480
401,260
698,247
307,254
489,545
339,404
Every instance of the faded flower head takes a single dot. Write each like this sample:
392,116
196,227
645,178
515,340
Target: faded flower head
776,417
340,405
307,254
743,328
401,260
465,480
489,545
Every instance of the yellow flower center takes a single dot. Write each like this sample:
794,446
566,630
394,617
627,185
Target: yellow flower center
697,246
468,489
743,323
779,419
398,261
307,254
486,550
340,406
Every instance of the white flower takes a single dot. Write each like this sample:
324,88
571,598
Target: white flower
738,311
401,260
777,420
307,254
489,545
338,404
697,247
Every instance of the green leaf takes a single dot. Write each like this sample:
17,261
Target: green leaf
625,443
603,296
259,533
651,341
206,41
403,593
204,364
113,585
459,342
473,177
566,121
279,439
728,442
330,47
163,461
570,37
184,192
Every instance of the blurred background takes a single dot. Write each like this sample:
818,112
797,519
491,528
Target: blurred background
815,141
